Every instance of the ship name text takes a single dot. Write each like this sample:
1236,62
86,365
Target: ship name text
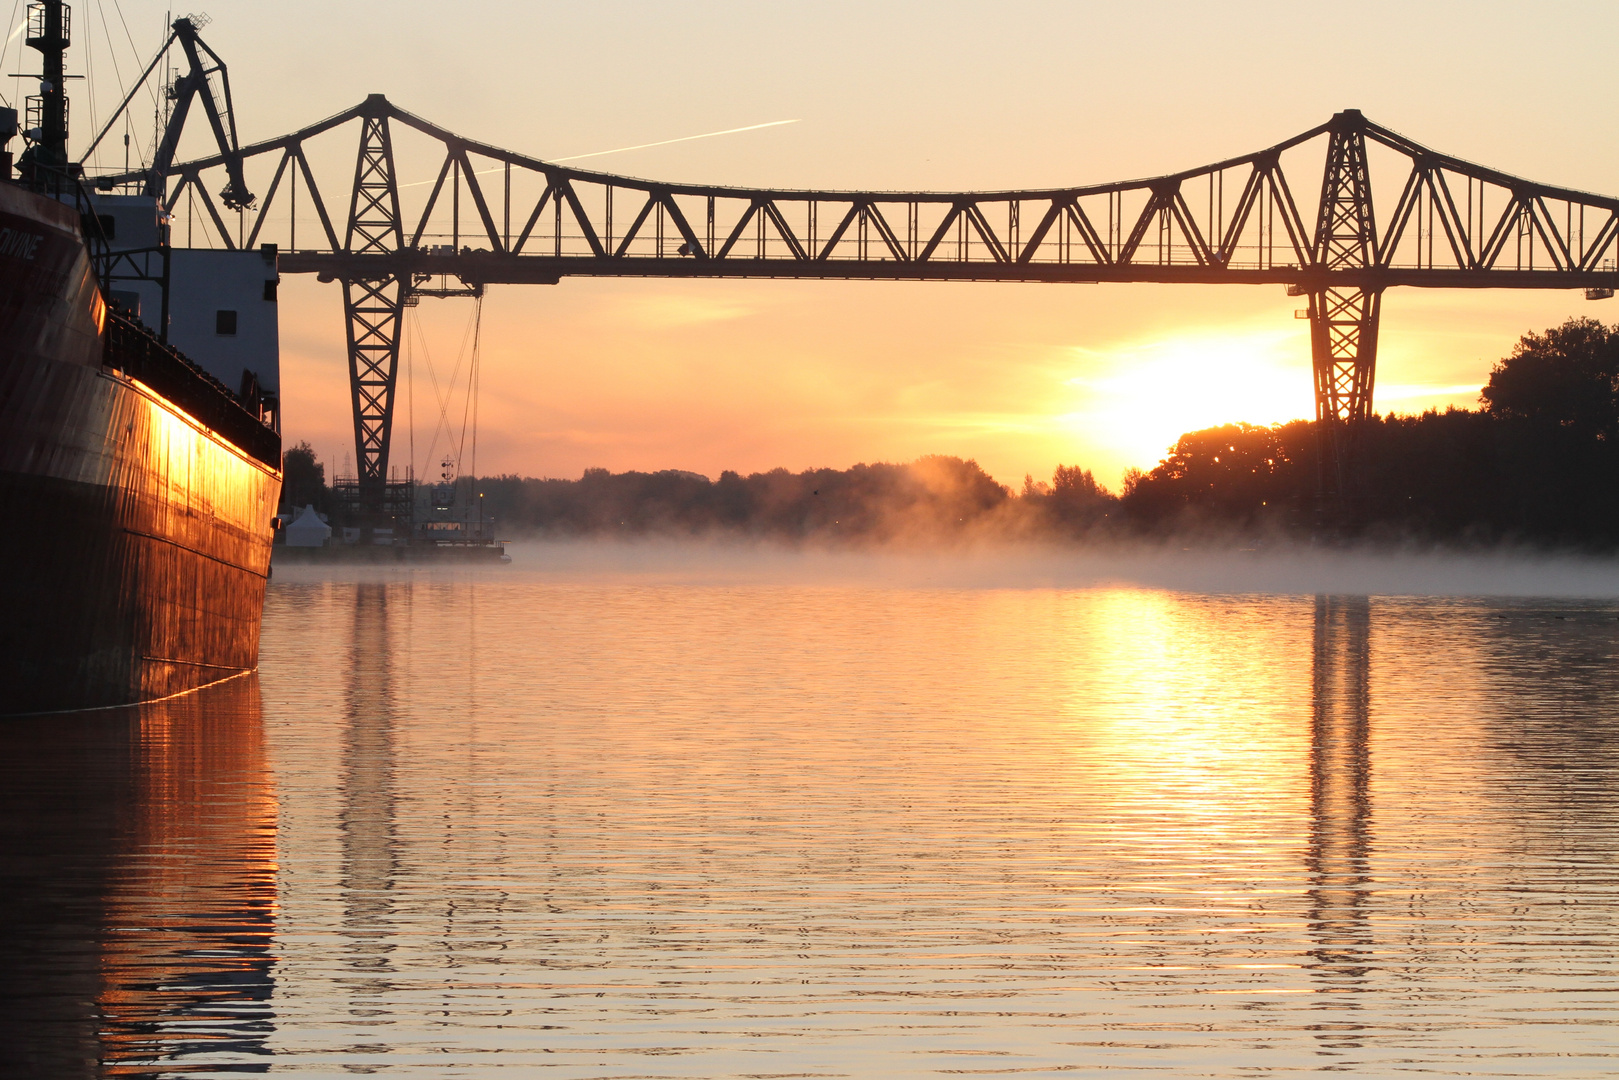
19,245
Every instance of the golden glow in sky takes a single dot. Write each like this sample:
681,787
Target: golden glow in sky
1144,395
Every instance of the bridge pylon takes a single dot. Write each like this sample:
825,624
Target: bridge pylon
1343,320
373,307
1343,347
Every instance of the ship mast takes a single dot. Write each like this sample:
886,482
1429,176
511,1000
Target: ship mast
48,32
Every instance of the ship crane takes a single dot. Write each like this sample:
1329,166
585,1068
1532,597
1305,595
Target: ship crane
202,64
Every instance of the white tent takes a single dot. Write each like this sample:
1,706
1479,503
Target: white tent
308,530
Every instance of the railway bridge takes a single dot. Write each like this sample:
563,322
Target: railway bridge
1337,215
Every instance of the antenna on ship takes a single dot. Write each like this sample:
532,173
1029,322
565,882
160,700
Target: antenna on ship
44,163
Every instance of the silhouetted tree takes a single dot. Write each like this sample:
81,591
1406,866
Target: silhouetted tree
1568,376
303,479
1077,501
1235,472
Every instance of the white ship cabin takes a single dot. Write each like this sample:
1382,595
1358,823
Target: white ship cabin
222,304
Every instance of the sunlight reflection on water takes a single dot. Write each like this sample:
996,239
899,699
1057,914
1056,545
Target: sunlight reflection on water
601,824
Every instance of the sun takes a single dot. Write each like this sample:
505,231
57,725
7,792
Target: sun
1135,400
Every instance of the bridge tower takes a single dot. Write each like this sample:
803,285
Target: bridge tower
373,308
1343,321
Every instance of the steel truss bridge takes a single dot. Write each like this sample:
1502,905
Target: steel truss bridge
1301,214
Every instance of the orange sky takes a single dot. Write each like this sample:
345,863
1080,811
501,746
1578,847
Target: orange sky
946,95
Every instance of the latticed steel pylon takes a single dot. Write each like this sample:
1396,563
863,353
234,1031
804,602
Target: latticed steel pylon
1343,321
373,307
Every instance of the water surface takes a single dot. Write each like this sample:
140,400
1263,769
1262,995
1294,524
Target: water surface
657,817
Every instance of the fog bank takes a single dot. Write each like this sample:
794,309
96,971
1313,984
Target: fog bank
1279,570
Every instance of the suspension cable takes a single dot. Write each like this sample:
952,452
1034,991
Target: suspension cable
6,48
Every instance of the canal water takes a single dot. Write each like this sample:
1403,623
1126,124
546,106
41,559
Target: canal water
611,813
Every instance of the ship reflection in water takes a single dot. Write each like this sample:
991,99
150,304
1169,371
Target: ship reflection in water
138,897
595,825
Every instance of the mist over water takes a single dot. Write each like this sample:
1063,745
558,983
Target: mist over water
718,810
1280,569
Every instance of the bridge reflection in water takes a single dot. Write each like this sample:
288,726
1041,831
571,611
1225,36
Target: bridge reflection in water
1338,853
370,859
138,888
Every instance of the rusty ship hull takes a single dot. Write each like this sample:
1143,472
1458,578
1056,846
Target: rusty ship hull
137,493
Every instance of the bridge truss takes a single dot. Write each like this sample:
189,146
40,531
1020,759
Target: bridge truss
1436,222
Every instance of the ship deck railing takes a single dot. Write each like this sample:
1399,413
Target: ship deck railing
135,351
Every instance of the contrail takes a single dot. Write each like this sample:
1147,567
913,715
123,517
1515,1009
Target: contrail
683,138
7,46
639,146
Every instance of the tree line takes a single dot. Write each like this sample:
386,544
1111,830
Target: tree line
932,497
1537,462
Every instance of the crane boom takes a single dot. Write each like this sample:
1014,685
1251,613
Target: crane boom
202,63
